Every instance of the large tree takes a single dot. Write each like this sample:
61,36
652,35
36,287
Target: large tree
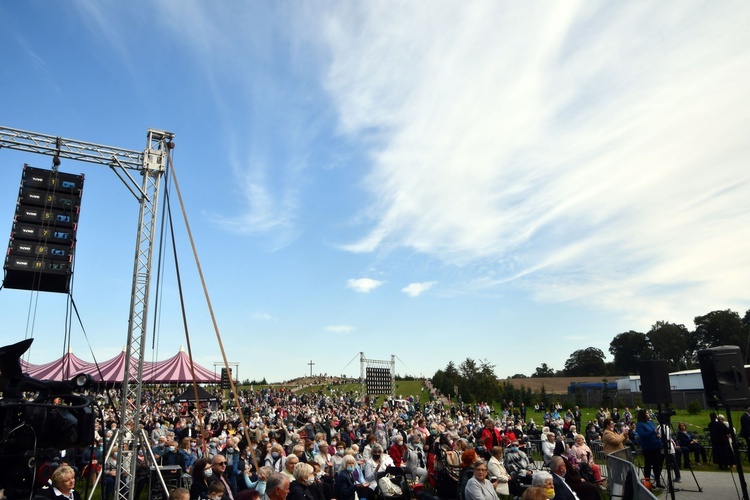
674,343
488,388
446,380
543,371
721,328
476,381
587,362
627,348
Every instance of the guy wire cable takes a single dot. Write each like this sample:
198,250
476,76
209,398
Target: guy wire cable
159,279
184,315
160,262
208,299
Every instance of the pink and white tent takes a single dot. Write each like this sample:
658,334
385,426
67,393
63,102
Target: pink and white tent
177,369
64,368
173,370
112,370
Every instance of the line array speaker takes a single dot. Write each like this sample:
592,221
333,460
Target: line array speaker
42,241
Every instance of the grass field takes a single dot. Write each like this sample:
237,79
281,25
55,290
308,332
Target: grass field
696,423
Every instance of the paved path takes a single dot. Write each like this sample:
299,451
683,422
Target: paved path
715,486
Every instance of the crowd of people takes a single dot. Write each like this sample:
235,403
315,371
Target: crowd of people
340,446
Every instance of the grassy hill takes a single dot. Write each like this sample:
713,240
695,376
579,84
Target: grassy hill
404,388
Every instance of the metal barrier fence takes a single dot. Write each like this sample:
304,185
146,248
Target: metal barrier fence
623,477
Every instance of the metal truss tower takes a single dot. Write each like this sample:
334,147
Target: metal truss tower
151,164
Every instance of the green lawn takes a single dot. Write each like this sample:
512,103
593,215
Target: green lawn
406,388
696,423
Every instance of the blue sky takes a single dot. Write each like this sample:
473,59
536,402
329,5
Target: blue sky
436,180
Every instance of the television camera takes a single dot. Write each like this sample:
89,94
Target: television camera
664,417
38,419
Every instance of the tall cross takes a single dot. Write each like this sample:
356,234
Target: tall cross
311,365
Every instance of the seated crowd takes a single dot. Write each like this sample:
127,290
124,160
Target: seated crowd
340,446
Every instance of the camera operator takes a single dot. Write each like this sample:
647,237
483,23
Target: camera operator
651,446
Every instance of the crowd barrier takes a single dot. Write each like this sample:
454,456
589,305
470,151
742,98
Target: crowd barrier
622,478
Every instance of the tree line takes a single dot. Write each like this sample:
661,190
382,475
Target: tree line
674,343
476,380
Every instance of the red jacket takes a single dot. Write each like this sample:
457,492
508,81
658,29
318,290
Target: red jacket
398,453
486,438
510,436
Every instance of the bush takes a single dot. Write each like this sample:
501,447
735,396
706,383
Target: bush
694,408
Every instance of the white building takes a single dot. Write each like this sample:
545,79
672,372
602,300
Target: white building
685,380
631,383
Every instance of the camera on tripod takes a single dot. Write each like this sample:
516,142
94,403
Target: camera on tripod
665,416
38,418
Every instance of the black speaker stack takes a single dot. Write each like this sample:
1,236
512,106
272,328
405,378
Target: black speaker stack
655,382
42,241
724,377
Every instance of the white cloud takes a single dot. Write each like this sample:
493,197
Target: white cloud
340,328
417,289
589,153
262,316
263,119
363,285
264,210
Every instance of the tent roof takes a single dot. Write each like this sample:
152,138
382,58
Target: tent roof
177,369
173,370
63,368
189,395
113,370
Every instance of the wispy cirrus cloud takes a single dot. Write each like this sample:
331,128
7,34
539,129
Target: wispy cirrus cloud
588,152
258,80
363,285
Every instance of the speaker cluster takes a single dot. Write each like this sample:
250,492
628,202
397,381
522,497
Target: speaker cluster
42,241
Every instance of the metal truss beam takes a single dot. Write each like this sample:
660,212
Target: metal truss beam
68,148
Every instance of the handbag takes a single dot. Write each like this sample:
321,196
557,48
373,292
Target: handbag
387,488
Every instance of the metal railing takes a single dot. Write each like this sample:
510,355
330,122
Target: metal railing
623,479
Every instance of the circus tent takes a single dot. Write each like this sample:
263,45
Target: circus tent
173,370
177,369
112,370
61,369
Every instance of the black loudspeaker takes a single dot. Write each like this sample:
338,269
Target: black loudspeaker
225,384
655,381
42,242
724,377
